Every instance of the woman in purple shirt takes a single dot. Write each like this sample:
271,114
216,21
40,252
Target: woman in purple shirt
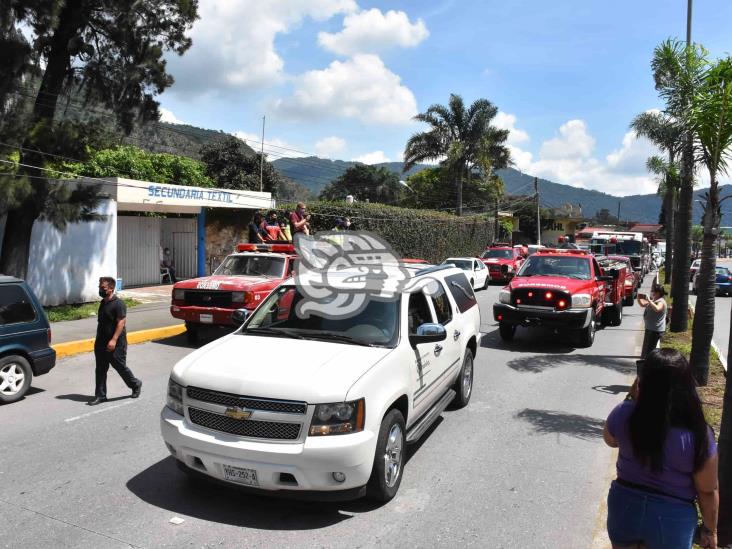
667,460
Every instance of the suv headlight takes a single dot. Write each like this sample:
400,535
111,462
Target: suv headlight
339,418
581,300
504,296
179,295
175,397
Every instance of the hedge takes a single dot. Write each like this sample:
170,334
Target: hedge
423,234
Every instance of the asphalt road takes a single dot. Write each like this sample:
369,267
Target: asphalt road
523,465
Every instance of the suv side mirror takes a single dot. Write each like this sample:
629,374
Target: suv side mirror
240,316
428,333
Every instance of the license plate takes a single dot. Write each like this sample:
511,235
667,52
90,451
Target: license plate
206,319
241,475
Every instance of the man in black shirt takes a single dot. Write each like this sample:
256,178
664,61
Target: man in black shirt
110,345
256,233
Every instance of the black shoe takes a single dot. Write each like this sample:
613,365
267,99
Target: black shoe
136,391
97,400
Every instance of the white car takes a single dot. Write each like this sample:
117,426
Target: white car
320,406
694,268
474,268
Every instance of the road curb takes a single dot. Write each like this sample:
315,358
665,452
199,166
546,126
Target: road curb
87,345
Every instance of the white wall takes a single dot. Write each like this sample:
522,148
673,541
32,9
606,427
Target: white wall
65,267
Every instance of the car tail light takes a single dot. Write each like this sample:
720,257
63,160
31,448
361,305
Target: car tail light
548,295
49,337
561,304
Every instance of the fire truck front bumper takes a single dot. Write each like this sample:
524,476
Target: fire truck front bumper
574,319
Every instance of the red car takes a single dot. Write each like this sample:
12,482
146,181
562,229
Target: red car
502,261
632,280
242,281
562,289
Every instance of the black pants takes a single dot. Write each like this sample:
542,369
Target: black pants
118,361
650,339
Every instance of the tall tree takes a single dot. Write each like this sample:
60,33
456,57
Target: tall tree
109,53
666,134
365,183
458,138
711,119
678,70
232,165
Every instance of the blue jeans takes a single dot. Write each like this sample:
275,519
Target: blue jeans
635,517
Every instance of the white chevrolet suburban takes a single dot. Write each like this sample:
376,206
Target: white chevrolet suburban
323,407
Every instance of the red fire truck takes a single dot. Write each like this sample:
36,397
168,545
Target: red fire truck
242,281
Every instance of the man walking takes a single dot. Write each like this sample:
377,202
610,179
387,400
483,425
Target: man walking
110,345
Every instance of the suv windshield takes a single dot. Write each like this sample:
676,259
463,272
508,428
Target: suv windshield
252,265
375,325
502,254
570,266
464,264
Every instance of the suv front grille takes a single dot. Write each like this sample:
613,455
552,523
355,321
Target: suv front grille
207,298
273,430
227,399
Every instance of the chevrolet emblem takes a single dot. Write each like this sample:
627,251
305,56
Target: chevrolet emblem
238,413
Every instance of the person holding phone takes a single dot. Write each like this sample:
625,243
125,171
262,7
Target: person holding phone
654,318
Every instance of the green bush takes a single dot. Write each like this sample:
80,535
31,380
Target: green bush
423,234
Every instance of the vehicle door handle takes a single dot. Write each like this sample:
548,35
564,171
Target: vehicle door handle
456,335
438,349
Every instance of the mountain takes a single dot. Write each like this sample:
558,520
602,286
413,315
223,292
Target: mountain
315,173
180,139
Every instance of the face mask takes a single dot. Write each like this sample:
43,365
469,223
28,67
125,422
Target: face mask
301,211
102,293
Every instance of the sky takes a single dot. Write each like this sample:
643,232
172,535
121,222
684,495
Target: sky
343,79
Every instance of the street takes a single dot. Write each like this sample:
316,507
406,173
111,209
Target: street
524,465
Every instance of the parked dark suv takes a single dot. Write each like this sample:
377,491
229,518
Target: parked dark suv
25,339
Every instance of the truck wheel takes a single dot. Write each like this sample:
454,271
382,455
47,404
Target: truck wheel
587,335
507,331
616,316
628,301
386,474
191,332
463,386
15,378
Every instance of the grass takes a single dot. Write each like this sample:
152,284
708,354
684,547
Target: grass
80,310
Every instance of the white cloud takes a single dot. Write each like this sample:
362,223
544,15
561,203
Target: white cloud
328,147
168,116
234,42
573,142
376,157
361,87
373,31
505,121
569,158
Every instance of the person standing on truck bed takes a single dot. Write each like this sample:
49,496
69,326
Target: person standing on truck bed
256,233
110,345
299,220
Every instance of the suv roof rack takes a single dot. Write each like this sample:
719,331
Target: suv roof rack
434,269
271,248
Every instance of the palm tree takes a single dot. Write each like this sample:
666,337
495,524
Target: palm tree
711,119
678,70
666,134
458,138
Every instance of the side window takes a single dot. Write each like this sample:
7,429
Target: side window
15,305
418,312
598,271
441,303
461,291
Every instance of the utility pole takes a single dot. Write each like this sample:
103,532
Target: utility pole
688,23
261,161
619,211
538,216
495,222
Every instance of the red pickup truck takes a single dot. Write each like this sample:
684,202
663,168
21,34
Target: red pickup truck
242,281
502,261
559,288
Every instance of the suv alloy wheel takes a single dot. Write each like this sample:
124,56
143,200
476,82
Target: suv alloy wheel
386,475
15,378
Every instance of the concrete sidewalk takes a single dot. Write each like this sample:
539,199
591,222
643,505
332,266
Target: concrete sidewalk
144,323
